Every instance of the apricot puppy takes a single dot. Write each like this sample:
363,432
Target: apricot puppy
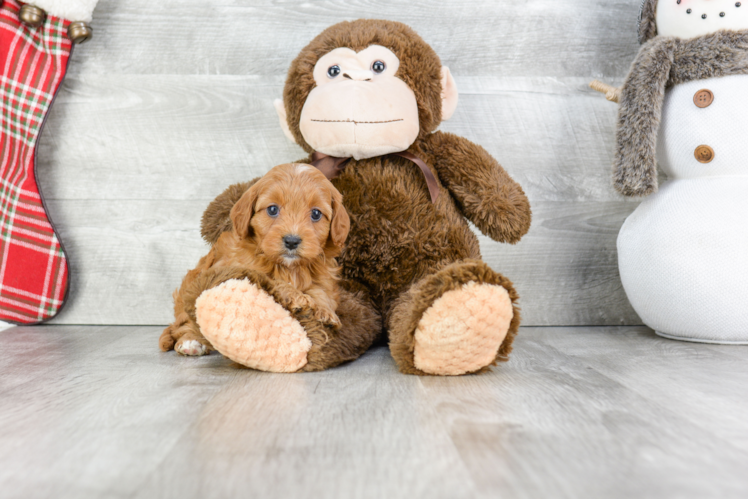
289,225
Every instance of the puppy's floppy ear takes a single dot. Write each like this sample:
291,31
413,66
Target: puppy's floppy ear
243,210
341,223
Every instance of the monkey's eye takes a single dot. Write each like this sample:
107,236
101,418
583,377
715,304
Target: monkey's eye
273,210
378,67
333,71
316,215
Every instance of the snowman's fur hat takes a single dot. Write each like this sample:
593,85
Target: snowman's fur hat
661,63
647,21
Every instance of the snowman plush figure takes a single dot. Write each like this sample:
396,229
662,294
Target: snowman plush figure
683,253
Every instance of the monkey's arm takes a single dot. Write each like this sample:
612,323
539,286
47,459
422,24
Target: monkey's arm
483,190
216,218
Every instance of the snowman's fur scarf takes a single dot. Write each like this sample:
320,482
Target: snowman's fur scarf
647,21
72,10
661,63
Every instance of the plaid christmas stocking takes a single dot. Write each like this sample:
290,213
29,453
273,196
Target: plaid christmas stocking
35,47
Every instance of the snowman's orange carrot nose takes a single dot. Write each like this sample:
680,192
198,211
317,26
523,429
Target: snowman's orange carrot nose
612,93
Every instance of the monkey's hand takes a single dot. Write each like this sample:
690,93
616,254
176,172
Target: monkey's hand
484,192
216,218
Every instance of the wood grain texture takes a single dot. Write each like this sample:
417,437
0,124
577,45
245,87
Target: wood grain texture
159,137
127,258
577,412
261,37
172,101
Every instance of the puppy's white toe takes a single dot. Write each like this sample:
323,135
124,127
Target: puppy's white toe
191,348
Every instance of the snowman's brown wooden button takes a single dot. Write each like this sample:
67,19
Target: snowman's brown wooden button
704,154
703,98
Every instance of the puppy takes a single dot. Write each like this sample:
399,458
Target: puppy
289,225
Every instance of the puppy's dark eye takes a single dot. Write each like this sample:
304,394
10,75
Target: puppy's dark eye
378,67
333,71
316,215
273,210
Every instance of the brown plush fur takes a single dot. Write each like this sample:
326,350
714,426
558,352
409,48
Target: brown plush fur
661,63
410,306
306,277
216,220
360,327
404,250
647,21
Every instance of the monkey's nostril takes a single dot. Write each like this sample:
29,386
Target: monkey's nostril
291,241
346,75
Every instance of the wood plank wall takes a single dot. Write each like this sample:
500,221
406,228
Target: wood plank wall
172,101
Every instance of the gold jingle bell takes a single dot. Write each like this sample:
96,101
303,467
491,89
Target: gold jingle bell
79,32
32,16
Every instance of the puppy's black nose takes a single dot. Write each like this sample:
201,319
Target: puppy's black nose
291,241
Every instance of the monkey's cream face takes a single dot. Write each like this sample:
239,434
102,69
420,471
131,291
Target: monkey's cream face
691,18
359,108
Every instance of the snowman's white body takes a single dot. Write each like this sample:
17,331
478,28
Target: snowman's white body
683,253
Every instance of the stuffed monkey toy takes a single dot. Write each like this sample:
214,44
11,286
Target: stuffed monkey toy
364,99
36,40
683,252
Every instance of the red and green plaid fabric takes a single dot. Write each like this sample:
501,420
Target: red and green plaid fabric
33,269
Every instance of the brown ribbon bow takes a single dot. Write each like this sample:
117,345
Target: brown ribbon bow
332,166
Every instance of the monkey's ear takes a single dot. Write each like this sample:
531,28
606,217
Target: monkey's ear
280,108
243,210
449,94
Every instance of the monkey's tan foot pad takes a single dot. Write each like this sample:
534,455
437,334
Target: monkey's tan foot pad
463,329
191,348
246,325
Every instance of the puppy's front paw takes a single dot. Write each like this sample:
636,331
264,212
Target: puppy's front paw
326,317
301,301
191,348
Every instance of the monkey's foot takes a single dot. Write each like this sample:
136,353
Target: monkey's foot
461,319
462,330
245,324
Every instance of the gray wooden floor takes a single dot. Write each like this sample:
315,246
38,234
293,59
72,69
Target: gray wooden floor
592,412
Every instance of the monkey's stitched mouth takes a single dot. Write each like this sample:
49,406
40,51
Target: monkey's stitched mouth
357,122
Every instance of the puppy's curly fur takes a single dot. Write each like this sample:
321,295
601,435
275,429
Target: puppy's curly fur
290,226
